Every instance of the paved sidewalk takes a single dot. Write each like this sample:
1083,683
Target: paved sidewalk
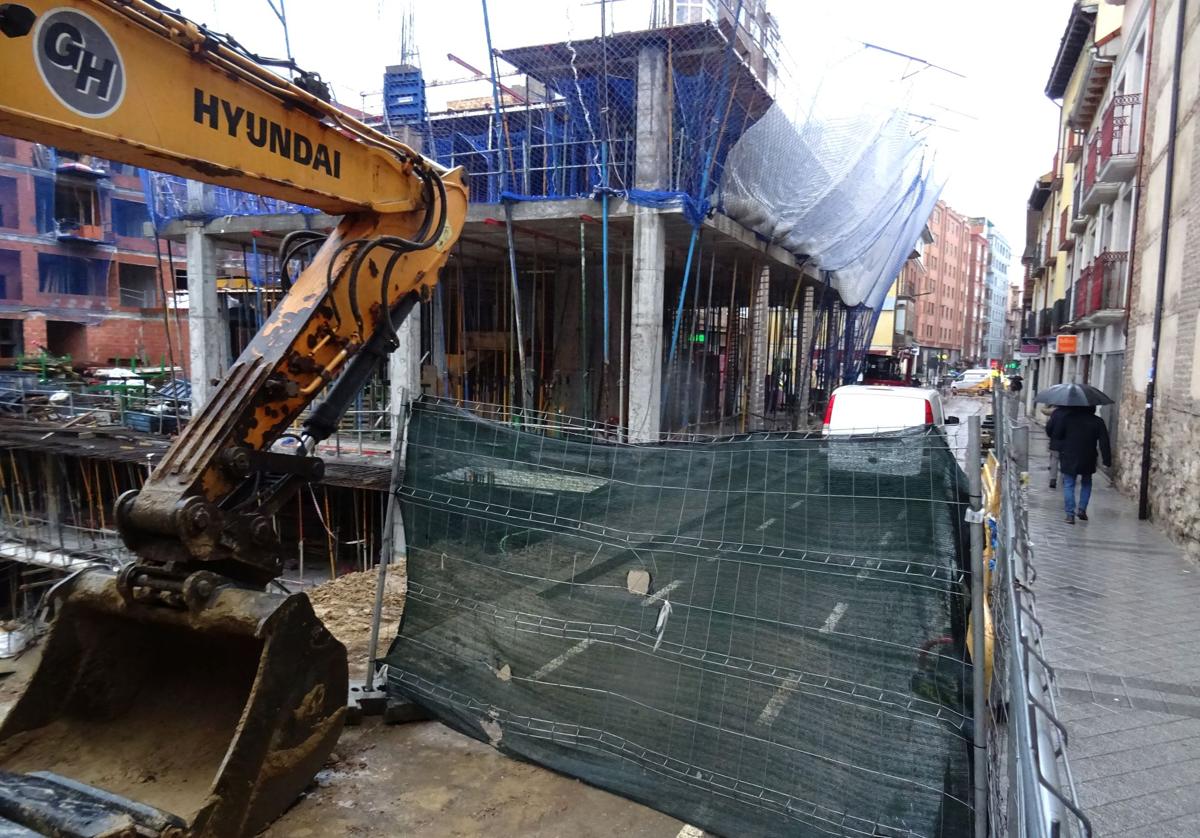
1121,606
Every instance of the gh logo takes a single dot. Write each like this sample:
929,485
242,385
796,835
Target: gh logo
79,62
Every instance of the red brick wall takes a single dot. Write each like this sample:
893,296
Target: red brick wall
113,340
111,331
940,319
118,339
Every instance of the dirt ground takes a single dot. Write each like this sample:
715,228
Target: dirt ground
422,778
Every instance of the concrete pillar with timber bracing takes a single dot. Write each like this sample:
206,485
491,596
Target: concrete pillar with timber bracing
649,251
208,341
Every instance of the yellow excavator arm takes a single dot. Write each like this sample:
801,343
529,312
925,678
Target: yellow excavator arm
185,644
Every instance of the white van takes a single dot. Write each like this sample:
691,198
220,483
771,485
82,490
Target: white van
856,413
972,380
872,409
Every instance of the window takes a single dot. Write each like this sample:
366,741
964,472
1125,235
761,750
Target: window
129,217
43,194
10,275
8,203
137,286
75,207
12,342
58,274
64,337
8,147
693,11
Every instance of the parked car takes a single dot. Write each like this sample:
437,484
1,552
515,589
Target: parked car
972,381
870,409
854,416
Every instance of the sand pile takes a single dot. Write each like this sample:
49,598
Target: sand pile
345,605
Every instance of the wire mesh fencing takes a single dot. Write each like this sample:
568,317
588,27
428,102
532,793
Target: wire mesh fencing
1031,791
761,634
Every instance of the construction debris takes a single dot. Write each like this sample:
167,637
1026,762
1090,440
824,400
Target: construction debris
344,605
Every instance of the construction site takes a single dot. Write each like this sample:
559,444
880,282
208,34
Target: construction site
511,386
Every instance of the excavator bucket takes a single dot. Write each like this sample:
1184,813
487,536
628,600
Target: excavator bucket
142,719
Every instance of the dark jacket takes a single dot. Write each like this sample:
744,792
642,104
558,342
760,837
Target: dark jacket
1079,432
1053,426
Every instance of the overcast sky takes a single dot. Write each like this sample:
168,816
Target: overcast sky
996,128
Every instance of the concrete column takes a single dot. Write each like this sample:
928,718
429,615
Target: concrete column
760,295
404,366
804,364
645,326
208,341
53,501
649,251
404,385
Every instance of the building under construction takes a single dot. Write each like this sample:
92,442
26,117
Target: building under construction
660,248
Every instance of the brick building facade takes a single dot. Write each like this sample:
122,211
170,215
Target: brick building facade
78,273
943,310
977,290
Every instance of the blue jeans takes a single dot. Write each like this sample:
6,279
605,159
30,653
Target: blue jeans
1085,492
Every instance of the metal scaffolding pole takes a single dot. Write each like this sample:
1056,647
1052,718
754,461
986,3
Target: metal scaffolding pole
978,706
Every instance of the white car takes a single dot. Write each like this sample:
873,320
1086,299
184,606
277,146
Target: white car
872,409
856,413
971,380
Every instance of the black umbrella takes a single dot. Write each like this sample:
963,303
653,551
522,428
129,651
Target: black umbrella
1073,395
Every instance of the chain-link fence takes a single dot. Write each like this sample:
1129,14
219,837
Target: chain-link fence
1031,791
761,634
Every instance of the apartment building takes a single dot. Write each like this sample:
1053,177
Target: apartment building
977,290
1079,245
894,328
78,273
1161,377
946,309
993,318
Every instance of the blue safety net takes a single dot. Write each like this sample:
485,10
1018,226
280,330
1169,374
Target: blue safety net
167,200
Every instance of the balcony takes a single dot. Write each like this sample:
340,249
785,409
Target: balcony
1045,323
81,165
1119,139
1112,153
73,230
1061,315
1082,292
1065,240
1075,143
1049,251
1080,219
1101,292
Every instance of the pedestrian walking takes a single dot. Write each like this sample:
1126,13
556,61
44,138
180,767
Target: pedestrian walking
1053,419
1080,433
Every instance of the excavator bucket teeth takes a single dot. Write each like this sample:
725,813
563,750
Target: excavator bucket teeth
206,722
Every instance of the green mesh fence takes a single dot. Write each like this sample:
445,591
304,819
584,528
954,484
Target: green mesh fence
761,635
